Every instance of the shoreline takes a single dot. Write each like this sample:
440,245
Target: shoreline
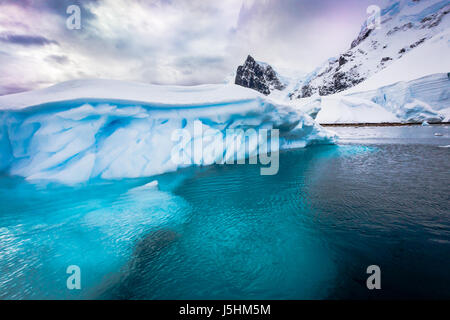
385,124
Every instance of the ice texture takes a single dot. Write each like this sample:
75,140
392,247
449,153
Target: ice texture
82,130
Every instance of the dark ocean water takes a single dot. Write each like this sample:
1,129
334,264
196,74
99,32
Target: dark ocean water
380,197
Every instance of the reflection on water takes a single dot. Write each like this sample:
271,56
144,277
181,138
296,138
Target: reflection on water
227,232
430,135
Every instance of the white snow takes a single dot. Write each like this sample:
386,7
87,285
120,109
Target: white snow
82,130
429,58
139,93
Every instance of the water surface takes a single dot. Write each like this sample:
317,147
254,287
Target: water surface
226,232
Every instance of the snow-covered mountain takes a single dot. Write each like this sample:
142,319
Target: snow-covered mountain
398,72
259,76
405,26
412,89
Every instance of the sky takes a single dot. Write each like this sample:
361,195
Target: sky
182,42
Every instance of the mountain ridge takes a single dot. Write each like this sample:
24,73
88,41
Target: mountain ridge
404,26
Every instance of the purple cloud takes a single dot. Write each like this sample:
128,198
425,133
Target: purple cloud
26,40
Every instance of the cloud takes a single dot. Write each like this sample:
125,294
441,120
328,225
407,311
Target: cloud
58,59
10,89
26,40
168,41
298,34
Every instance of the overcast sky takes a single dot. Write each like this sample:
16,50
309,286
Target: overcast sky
168,41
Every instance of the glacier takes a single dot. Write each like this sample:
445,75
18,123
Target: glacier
416,101
423,99
81,130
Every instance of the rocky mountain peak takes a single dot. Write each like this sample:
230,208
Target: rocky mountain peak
258,76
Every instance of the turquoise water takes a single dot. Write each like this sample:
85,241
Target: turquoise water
226,232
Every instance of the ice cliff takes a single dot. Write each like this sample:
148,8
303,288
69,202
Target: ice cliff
86,129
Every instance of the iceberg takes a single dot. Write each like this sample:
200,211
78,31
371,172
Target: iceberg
87,129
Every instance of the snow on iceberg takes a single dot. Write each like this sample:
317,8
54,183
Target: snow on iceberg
85,129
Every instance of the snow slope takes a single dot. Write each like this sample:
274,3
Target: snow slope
82,130
430,58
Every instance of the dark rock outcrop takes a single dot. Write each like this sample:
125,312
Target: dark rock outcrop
363,35
258,76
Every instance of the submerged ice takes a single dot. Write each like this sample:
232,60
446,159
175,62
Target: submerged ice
77,131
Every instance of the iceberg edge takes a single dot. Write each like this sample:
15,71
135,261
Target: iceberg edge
82,130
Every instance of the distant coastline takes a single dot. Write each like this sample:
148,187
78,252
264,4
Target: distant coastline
386,124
